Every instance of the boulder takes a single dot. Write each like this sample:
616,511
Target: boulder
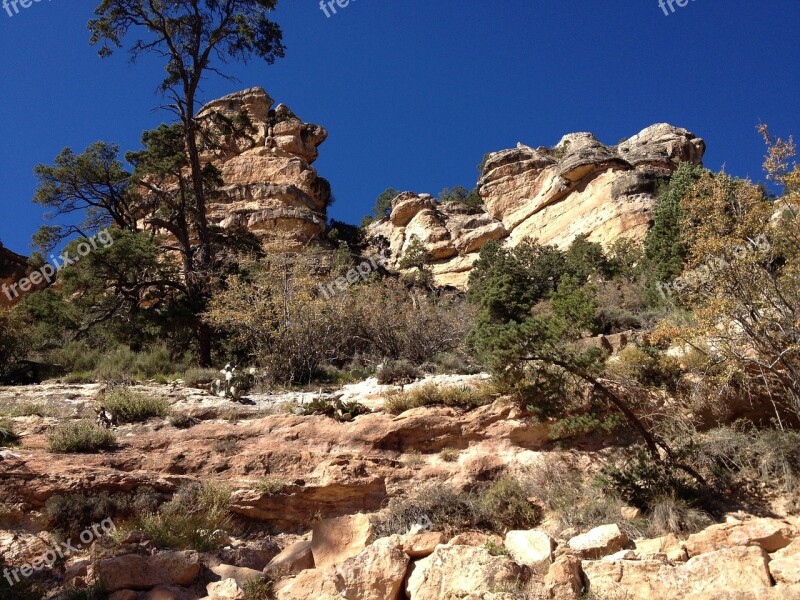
769,534
291,560
124,595
475,538
785,564
241,575
531,548
420,545
134,572
564,579
253,557
168,592
457,571
335,540
312,584
598,542
227,589
377,573
668,544
734,570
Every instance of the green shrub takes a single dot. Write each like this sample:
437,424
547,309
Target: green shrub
195,377
91,592
8,437
648,366
182,421
80,437
80,377
123,364
75,357
642,482
340,411
130,407
431,394
194,519
397,373
258,589
73,513
272,485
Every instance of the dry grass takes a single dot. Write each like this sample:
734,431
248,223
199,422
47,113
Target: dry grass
431,394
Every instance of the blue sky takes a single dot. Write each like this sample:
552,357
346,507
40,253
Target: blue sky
414,92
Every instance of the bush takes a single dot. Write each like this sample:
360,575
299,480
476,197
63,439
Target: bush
399,372
258,589
73,513
130,407
342,412
194,519
195,377
647,366
181,421
497,507
8,437
82,437
671,515
76,357
431,394
272,485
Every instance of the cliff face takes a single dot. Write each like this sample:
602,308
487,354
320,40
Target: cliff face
551,194
13,267
270,186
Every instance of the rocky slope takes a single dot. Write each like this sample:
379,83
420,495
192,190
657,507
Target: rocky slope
315,534
270,186
551,194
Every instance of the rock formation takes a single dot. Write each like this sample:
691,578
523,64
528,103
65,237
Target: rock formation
551,194
270,186
13,267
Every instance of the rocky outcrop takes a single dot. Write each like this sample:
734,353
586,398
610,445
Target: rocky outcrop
551,194
270,187
13,268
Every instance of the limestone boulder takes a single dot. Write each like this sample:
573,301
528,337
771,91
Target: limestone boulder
457,571
767,533
531,548
377,573
135,572
291,560
785,564
598,542
227,589
564,579
335,540
420,545
711,575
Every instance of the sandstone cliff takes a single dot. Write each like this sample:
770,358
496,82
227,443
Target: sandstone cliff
13,267
270,186
552,194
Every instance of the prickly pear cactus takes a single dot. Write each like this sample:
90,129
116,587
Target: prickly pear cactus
234,383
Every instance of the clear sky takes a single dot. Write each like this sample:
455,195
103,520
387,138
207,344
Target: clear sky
414,92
